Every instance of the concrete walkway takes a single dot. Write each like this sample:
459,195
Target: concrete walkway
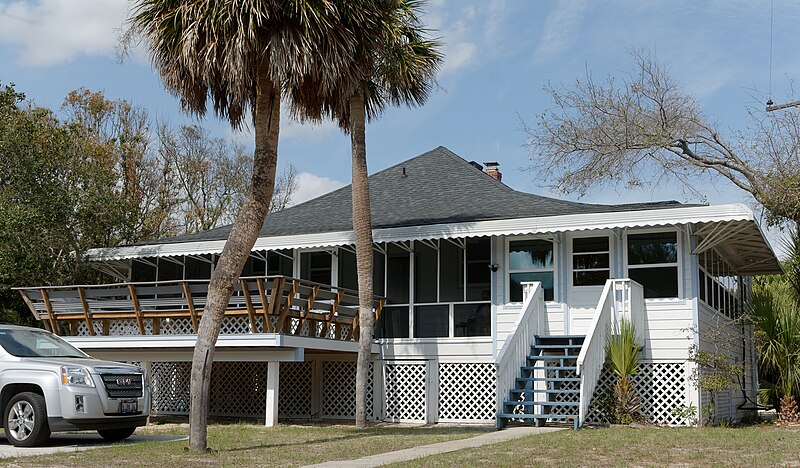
441,447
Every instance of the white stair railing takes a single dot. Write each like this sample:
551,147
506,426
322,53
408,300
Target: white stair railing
620,298
517,346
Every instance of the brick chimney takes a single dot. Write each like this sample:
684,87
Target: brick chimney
493,169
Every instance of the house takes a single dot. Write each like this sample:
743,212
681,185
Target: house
493,304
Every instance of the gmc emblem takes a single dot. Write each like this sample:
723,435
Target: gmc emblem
124,381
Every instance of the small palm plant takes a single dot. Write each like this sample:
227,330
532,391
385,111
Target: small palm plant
623,358
777,318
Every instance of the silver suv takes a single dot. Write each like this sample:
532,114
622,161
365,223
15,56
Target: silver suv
47,385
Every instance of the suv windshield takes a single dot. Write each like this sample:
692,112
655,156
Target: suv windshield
34,343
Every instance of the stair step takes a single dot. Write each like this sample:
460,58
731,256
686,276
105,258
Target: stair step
541,403
555,368
537,416
549,357
548,379
557,346
522,391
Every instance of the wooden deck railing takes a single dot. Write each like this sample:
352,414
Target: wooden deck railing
272,304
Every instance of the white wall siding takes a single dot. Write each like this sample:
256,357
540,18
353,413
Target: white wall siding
668,329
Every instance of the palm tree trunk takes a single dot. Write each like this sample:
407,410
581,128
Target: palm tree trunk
362,227
245,230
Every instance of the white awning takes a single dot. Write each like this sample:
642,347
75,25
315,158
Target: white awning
751,243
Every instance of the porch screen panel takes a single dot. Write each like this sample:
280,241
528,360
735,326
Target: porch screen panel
393,323
530,260
280,263
451,272
143,272
197,268
431,321
316,266
653,263
348,277
254,267
479,277
425,273
472,319
378,273
169,270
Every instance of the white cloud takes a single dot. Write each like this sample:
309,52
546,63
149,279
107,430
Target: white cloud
560,29
310,186
50,32
456,33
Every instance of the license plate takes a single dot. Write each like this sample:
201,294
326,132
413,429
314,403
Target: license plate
127,407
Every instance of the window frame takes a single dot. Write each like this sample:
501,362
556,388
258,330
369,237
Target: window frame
678,260
571,257
509,271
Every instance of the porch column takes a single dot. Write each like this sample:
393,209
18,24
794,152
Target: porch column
273,378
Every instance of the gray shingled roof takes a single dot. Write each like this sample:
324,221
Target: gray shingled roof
436,187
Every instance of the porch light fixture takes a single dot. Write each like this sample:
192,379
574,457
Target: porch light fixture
493,267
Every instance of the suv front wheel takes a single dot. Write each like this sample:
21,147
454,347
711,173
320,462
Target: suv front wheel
25,420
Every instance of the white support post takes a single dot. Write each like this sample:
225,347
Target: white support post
147,368
317,381
273,379
378,393
432,396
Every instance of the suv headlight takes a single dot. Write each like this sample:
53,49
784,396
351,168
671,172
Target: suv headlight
77,376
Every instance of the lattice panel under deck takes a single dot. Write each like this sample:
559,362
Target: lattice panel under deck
128,327
406,387
238,389
83,330
339,389
236,325
176,326
170,387
294,396
467,391
660,386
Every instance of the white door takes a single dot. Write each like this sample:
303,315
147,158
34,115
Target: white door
589,268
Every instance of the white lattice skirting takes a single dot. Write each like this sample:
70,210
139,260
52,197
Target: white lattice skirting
660,387
406,389
238,389
467,391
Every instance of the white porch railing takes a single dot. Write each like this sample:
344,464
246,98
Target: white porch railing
621,298
517,346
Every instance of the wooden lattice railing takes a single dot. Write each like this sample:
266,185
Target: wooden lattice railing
285,305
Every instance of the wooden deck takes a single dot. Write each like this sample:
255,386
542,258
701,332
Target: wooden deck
271,304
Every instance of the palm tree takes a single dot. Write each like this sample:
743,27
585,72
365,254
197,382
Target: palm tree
776,315
394,63
239,54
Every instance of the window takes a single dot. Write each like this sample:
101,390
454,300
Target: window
590,261
653,263
530,260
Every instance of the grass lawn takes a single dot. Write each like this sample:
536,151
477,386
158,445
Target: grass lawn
624,446
254,445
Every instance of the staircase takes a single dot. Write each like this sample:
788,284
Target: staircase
548,388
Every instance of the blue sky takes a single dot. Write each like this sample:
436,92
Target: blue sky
499,54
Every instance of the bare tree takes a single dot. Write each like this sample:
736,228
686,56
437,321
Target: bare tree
643,126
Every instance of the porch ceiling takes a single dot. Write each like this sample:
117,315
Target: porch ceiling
741,243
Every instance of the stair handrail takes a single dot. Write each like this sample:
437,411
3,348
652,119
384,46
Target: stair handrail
593,351
517,346
621,298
